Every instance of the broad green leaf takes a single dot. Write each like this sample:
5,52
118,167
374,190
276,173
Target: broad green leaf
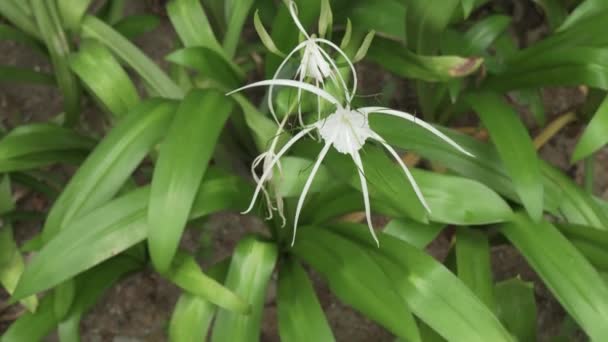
473,264
412,232
250,269
460,201
583,12
569,276
294,173
186,274
182,162
11,260
236,14
49,23
516,308
105,77
591,242
401,61
301,317
72,11
481,35
425,21
515,148
594,136
37,160
192,26
10,74
136,25
116,226
209,64
192,314
134,57
11,11
356,279
107,168
365,14
431,291
33,326
263,129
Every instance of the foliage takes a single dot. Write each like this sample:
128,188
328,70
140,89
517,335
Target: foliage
175,143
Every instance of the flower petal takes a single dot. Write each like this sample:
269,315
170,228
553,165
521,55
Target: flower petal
368,214
268,171
295,84
307,185
350,64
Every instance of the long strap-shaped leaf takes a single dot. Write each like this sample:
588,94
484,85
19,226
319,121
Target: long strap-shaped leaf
105,77
250,269
10,74
301,318
134,57
116,226
182,162
569,276
110,164
432,292
515,148
49,23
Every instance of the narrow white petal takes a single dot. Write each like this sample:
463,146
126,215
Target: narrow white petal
407,172
276,74
337,71
421,123
368,214
350,64
293,10
311,177
268,171
295,84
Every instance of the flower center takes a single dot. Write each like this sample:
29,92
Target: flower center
346,129
313,63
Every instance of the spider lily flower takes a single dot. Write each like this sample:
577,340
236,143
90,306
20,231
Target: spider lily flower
316,64
347,130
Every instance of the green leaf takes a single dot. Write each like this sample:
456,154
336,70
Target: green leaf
10,74
460,201
294,173
186,274
425,21
182,162
135,58
116,226
583,12
12,10
236,14
432,292
72,11
107,168
401,61
515,148
105,77
209,64
252,264
412,232
301,317
516,308
192,314
49,23
591,242
473,264
356,279
34,145
136,25
594,136
569,276
11,260
33,326
555,12
325,18
264,36
192,26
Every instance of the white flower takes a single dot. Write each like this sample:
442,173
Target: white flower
315,64
346,130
